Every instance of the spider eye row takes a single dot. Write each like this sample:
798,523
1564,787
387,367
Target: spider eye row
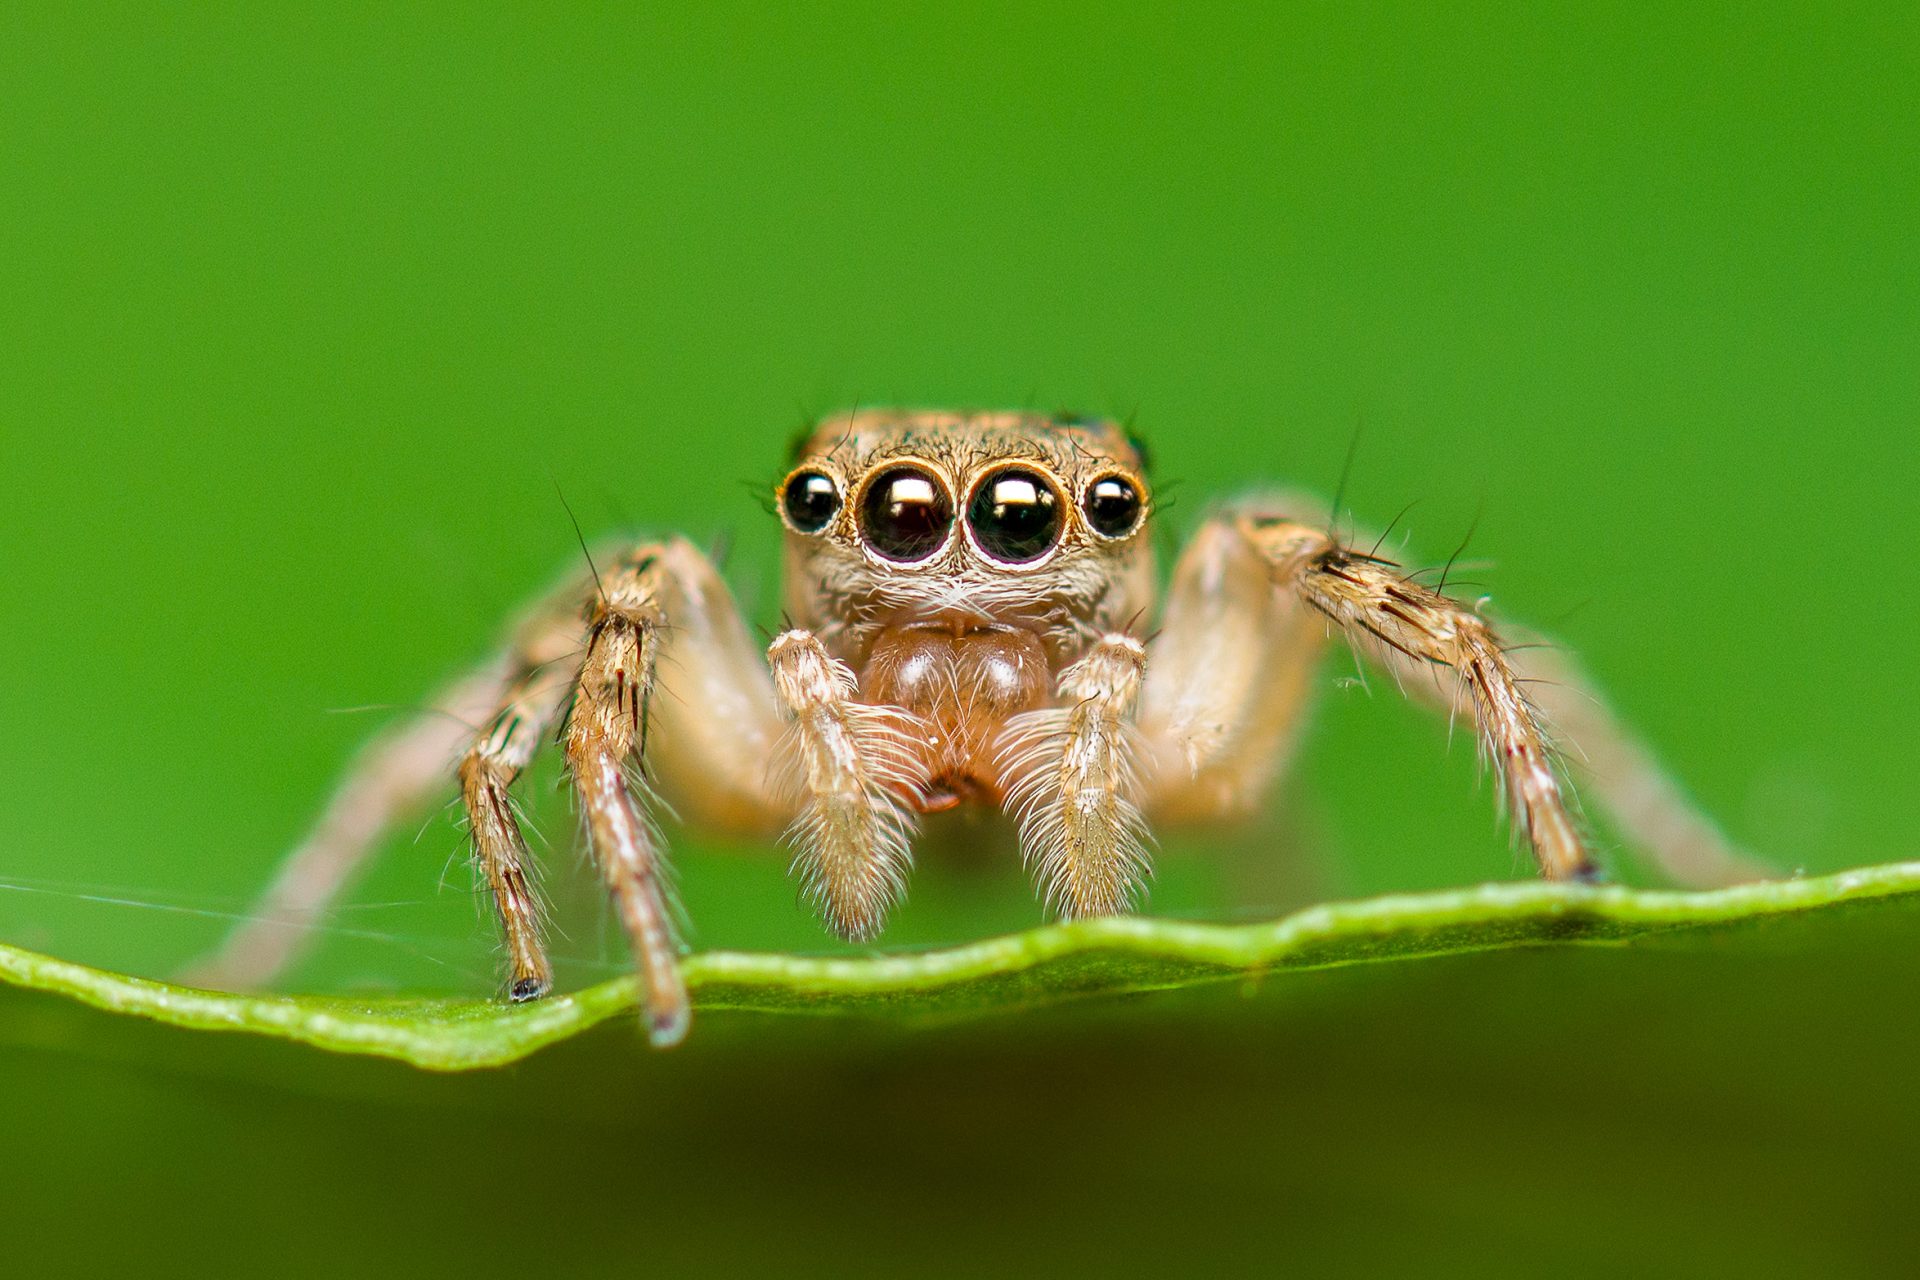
1016,515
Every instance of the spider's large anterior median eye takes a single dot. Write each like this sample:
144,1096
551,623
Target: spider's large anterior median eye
1113,506
906,514
810,500
1015,516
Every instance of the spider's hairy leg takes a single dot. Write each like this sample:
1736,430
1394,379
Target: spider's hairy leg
487,772
605,731
1618,770
716,724
853,769
1420,634
1071,783
393,779
668,676
1228,684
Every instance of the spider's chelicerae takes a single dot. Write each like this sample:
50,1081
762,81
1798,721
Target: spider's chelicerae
974,618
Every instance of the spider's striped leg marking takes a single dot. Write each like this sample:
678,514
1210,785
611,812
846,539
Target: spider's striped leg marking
530,705
716,725
1642,800
1420,634
855,770
1070,779
606,731
394,779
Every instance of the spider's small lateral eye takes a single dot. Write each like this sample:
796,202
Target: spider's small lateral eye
906,514
1015,515
810,500
1113,506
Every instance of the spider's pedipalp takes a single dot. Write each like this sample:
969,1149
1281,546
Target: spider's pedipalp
854,770
1071,783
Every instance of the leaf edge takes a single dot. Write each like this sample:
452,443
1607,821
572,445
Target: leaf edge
458,1035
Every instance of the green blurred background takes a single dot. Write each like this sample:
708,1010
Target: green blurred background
308,312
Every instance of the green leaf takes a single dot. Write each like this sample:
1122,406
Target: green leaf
1085,958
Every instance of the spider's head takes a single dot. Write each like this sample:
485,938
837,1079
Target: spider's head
977,519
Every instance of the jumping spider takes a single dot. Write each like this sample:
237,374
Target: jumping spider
974,619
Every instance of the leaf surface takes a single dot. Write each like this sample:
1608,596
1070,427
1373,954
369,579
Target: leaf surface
1056,962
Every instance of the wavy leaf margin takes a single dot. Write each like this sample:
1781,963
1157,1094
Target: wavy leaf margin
1054,962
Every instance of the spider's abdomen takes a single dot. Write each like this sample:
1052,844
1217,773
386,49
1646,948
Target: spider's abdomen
964,686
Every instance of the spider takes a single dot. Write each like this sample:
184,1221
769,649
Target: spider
973,619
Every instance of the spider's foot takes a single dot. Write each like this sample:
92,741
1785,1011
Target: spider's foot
525,989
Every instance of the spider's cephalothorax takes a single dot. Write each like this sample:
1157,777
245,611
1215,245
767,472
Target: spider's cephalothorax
957,564
973,617
1005,520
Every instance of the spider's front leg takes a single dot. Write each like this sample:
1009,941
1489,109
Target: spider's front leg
662,622
606,729
1243,631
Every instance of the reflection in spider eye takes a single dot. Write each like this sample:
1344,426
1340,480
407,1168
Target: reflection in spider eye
906,514
1015,515
810,500
1113,506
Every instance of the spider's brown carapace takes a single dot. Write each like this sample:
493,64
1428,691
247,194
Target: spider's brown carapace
974,617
